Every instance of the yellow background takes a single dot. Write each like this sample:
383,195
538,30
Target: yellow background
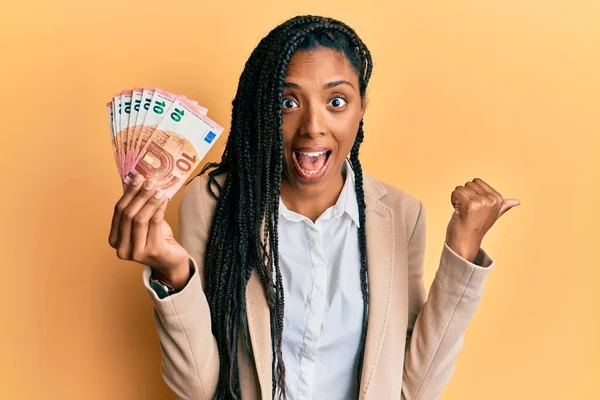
507,91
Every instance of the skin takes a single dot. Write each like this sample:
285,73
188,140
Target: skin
313,118
322,108
140,233
477,206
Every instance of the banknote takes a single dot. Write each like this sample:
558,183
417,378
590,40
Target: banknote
116,106
147,95
161,100
136,99
176,146
160,135
109,111
125,111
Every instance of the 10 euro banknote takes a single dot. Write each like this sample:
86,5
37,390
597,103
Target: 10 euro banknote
159,135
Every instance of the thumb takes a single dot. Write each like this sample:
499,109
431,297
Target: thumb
507,205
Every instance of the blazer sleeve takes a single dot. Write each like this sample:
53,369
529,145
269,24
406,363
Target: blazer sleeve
436,325
190,358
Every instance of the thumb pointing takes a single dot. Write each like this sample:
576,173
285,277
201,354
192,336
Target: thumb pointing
508,204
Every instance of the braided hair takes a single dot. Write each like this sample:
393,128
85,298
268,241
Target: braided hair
244,229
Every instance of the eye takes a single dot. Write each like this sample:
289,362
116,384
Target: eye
288,103
337,102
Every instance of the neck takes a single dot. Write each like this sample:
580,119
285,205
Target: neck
311,205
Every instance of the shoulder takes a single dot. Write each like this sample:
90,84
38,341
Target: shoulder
393,197
199,186
197,196
407,210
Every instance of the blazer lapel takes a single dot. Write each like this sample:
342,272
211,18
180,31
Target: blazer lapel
380,258
259,325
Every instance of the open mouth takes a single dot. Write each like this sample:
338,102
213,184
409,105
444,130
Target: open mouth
311,165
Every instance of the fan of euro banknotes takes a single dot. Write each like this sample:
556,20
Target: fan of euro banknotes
160,135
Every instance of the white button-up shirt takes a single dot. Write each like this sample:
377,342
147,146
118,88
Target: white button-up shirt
320,267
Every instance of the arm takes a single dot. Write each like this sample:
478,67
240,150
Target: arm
436,327
190,358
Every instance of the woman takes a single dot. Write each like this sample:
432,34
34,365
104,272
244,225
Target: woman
296,274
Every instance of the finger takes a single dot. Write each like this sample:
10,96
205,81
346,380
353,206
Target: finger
479,190
500,199
469,192
124,240
154,239
487,187
459,196
130,192
507,205
492,197
140,225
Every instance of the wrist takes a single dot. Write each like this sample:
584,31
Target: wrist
468,252
177,277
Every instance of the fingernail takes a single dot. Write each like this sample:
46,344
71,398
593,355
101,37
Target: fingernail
149,185
158,194
137,179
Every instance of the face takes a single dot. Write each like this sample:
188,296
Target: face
322,109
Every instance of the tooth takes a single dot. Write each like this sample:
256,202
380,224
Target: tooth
310,172
313,154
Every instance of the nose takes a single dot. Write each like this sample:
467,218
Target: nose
313,122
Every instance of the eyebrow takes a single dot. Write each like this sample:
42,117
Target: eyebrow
326,86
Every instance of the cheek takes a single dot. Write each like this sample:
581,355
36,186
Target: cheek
345,134
345,142
288,127
288,136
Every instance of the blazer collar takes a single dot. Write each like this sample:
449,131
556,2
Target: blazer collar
374,190
380,258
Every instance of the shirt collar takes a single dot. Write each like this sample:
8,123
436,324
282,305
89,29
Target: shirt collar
346,202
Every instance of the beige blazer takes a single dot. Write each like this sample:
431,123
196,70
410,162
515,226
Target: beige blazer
411,346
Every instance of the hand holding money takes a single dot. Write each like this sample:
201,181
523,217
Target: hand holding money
158,140
139,232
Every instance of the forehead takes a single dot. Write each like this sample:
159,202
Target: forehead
319,66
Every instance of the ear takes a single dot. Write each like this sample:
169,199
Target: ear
363,106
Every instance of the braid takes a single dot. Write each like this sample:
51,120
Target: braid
362,241
248,200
